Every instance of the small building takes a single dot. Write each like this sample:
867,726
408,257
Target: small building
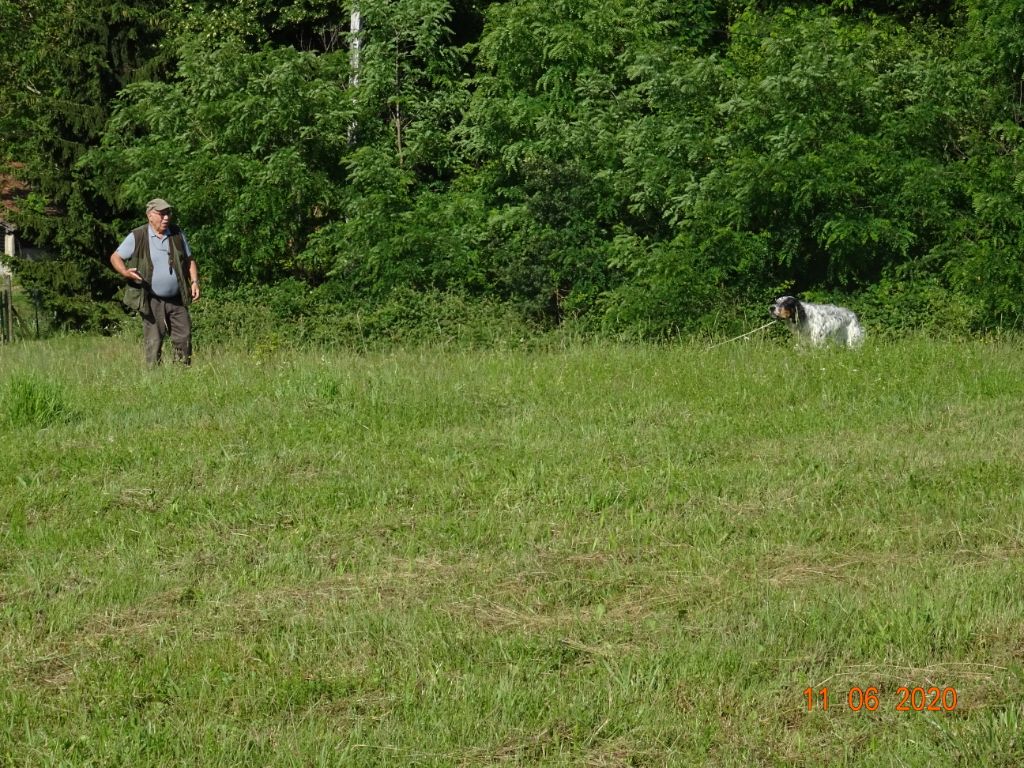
11,189
9,248
8,238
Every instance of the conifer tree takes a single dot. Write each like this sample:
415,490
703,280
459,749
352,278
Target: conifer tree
64,64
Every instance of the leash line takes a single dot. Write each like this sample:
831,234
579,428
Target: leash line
741,336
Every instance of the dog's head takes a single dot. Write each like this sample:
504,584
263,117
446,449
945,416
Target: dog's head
787,308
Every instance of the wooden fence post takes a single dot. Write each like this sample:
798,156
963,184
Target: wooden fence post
6,310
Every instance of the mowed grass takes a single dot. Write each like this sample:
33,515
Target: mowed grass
593,555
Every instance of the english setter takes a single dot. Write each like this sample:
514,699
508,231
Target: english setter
818,323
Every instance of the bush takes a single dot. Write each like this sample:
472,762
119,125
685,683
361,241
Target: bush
900,304
292,313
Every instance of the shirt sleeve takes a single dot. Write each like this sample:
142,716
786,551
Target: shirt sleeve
127,248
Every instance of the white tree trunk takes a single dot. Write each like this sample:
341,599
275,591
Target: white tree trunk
356,28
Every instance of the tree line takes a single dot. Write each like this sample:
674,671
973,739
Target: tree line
636,166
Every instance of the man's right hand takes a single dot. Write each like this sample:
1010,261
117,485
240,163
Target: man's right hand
133,275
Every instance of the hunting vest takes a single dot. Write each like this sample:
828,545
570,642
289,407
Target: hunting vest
136,297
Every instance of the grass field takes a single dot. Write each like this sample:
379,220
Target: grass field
593,555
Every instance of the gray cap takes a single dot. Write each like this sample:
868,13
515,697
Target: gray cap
157,204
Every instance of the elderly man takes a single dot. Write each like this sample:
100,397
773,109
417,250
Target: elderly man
163,281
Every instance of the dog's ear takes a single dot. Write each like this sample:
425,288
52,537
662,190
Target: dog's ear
798,310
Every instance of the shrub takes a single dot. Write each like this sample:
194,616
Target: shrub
292,313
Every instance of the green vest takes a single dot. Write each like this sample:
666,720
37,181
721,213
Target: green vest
136,297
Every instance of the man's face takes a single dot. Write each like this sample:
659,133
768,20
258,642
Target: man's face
159,220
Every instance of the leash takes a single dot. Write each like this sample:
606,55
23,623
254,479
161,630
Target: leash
741,336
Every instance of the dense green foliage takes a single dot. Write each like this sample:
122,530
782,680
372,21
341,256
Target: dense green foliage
642,166
62,67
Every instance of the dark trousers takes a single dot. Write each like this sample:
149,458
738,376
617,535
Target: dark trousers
168,317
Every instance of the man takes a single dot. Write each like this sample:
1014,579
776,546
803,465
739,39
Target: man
163,280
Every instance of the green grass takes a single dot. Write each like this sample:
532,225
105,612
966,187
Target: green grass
593,555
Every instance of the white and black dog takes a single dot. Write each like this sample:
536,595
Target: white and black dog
818,323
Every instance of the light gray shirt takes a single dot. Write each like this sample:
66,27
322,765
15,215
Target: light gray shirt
165,281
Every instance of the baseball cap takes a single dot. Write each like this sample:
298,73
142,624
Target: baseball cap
157,204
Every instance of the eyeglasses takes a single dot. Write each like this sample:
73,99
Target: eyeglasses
161,214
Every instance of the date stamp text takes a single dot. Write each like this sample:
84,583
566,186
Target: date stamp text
869,699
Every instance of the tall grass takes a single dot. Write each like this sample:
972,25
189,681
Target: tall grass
593,555
28,400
